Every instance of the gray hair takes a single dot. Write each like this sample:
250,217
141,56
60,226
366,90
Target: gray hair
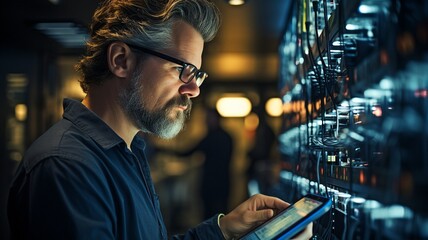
145,23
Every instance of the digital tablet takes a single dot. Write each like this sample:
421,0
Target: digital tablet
291,220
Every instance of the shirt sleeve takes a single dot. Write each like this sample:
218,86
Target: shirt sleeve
69,200
207,230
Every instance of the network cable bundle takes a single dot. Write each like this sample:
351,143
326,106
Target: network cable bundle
354,85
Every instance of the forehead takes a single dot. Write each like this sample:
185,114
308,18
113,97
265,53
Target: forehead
187,43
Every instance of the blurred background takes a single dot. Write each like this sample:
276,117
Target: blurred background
43,39
315,96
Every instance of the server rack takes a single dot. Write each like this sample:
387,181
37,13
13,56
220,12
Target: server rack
354,85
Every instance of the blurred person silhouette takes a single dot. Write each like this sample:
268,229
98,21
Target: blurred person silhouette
87,177
217,148
261,162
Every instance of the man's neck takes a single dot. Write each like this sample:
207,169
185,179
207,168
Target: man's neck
103,101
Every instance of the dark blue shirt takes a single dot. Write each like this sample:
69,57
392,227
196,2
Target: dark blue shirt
80,181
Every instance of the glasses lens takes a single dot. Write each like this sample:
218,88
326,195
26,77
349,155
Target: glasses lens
188,73
200,77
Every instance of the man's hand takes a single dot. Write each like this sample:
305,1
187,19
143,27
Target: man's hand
253,212
305,234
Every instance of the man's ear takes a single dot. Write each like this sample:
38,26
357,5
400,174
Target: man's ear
119,59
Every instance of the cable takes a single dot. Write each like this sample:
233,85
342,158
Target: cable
326,70
315,7
318,172
310,53
329,226
327,32
345,221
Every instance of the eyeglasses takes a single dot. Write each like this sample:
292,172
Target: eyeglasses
188,71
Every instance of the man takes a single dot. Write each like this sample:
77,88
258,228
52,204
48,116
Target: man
87,176
217,148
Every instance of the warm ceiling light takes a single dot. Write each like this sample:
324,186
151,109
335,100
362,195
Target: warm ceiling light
21,112
236,2
233,106
274,107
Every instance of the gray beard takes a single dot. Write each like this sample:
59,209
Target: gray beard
159,121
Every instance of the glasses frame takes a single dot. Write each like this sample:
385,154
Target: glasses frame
197,73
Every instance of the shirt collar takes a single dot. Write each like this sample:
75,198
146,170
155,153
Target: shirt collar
91,124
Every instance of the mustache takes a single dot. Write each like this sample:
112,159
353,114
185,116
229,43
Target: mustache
180,101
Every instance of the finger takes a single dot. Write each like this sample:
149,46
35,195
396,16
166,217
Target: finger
304,234
308,231
260,215
273,202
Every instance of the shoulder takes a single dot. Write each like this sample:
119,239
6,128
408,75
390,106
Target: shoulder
62,142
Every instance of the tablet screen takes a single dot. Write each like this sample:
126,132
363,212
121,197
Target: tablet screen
285,219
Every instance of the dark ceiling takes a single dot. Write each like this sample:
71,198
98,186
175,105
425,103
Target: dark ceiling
249,31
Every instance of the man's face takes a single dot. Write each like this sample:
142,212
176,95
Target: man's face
156,100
